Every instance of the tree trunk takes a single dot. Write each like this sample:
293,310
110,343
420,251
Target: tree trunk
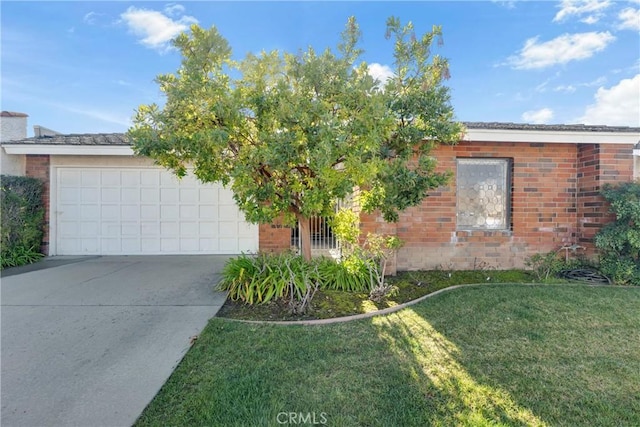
305,236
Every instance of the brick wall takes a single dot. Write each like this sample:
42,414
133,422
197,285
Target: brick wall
543,211
38,167
555,201
598,164
274,237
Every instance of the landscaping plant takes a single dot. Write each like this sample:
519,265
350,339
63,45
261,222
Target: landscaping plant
262,278
22,220
291,133
619,241
372,254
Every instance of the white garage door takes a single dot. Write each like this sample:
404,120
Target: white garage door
130,211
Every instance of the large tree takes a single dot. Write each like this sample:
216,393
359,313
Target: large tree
291,133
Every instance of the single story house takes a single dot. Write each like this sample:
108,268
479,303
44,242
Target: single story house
518,189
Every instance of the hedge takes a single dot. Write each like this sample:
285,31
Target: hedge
22,220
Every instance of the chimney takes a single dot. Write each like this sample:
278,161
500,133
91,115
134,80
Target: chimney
43,132
12,126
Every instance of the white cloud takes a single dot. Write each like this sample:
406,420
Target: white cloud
509,4
154,28
565,88
581,7
90,18
590,20
380,72
629,19
541,116
570,88
618,105
174,9
561,50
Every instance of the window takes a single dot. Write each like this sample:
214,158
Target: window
483,191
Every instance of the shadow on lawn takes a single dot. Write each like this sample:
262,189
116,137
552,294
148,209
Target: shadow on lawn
452,395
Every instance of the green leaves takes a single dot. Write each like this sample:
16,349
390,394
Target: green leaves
22,220
619,241
293,132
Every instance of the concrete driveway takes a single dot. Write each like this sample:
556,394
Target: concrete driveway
90,343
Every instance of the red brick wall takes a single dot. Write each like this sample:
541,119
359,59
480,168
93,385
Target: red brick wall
543,211
38,167
274,237
598,164
555,201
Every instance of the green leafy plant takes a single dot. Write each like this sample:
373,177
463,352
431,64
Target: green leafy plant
351,274
369,258
292,132
619,241
22,220
545,265
265,277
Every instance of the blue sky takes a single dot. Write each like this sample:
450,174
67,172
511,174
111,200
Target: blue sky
84,67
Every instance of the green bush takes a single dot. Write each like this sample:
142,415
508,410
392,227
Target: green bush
352,274
619,241
266,277
22,220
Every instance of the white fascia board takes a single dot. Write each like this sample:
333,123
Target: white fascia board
70,150
550,137
636,152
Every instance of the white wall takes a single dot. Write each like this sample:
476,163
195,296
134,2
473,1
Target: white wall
12,128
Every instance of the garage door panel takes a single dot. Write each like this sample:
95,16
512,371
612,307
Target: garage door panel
149,195
130,178
89,211
110,177
169,229
169,195
89,195
90,178
89,229
105,210
150,245
169,245
188,229
70,178
189,245
110,195
169,212
110,212
208,196
131,245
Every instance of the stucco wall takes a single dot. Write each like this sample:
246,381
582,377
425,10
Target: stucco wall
12,128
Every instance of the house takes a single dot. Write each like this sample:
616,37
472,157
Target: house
517,190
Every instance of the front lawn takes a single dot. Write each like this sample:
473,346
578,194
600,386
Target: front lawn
482,355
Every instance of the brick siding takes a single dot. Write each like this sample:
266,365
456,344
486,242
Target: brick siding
554,202
37,166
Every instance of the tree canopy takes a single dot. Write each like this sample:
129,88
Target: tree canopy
291,133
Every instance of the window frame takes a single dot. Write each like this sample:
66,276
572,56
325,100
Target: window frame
508,197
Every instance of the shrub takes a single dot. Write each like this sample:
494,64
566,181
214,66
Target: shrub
352,274
619,241
22,220
367,260
265,277
546,265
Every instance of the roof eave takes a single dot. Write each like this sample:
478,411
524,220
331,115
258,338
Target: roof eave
69,150
550,137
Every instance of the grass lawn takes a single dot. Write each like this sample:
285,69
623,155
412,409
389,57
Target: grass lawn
484,355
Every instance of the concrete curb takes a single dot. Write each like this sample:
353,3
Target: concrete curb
398,307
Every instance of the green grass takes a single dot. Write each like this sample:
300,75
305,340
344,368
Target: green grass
564,355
